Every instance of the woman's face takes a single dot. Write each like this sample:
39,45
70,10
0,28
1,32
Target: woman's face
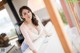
27,15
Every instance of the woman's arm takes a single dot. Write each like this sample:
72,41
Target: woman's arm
42,27
27,38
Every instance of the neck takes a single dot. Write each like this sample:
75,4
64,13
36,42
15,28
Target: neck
28,22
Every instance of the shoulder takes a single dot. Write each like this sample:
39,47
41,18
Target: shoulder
37,17
23,26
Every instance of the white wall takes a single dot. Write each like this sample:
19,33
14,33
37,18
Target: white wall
18,3
36,4
33,4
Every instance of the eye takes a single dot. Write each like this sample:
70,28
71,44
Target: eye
28,11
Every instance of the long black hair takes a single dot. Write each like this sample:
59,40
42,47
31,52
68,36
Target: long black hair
34,20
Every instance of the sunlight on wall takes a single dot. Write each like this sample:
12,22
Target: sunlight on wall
0,0
38,4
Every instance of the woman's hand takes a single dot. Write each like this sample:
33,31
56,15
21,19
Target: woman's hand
35,51
49,34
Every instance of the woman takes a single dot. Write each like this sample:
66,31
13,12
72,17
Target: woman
31,28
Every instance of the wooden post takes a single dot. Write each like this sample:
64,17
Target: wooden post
58,24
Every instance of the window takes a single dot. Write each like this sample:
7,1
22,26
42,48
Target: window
6,25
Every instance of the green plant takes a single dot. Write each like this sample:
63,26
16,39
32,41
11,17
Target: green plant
63,17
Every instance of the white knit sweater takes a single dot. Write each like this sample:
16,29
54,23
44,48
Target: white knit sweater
31,34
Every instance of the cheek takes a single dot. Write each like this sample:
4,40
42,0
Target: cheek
30,15
25,16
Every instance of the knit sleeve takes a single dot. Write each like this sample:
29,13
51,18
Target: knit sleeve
41,26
